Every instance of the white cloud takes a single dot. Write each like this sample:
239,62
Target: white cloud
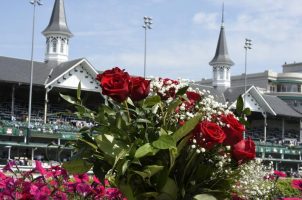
208,20
185,60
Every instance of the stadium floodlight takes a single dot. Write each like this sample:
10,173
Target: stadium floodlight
147,25
34,3
247,46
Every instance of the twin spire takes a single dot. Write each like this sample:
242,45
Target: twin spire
221,55
57,23
57,36
221,62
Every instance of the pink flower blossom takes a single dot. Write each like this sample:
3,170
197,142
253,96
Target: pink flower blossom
9,166
297,183
83,189
39,168
81,178
279,173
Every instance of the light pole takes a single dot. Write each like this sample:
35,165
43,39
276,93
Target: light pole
147,22
34,3
247,46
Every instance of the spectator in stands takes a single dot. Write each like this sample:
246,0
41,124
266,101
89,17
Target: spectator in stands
56,127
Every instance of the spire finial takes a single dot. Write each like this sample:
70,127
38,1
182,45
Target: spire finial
222,14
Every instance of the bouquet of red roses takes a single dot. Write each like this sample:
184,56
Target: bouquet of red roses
161,139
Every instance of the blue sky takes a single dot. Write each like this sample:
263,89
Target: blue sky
183,39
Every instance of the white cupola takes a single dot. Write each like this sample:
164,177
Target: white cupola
57,36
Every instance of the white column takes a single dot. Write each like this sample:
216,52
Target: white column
283,128
13,102
45,106
32,154
300,130
9,152
265,125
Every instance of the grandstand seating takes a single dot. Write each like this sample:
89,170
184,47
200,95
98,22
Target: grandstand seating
273,135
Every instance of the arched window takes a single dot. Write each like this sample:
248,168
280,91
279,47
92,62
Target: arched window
62,45
54,45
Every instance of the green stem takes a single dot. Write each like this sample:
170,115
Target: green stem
191,157
127,109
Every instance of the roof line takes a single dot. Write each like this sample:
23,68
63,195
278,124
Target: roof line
274,113
49,75
62,74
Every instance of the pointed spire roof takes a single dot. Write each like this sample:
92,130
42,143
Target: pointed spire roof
222,56
57,23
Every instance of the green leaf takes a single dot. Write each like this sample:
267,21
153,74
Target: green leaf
130,102
143,121
78,166
247,111
125,166
204,197
239,105
68,98
155,108
143,174
162,132
127,191
147,195
182,91
170,188
151,101
173,105
90,144
153,169
145,150
106,109
107,146
182,143
186,128
79,91
164,142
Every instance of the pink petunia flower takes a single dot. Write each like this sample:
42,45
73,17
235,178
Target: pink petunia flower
81,178
297,183
280,173
83,189
9,166
39,168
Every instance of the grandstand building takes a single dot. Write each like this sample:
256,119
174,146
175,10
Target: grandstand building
57,74
275,100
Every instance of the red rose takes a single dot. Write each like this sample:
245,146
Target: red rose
233,129
115,83
171,92
207,134
139,88
193,98
244,150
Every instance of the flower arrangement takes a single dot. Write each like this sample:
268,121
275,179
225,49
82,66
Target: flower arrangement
53,183
161,139
257,181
